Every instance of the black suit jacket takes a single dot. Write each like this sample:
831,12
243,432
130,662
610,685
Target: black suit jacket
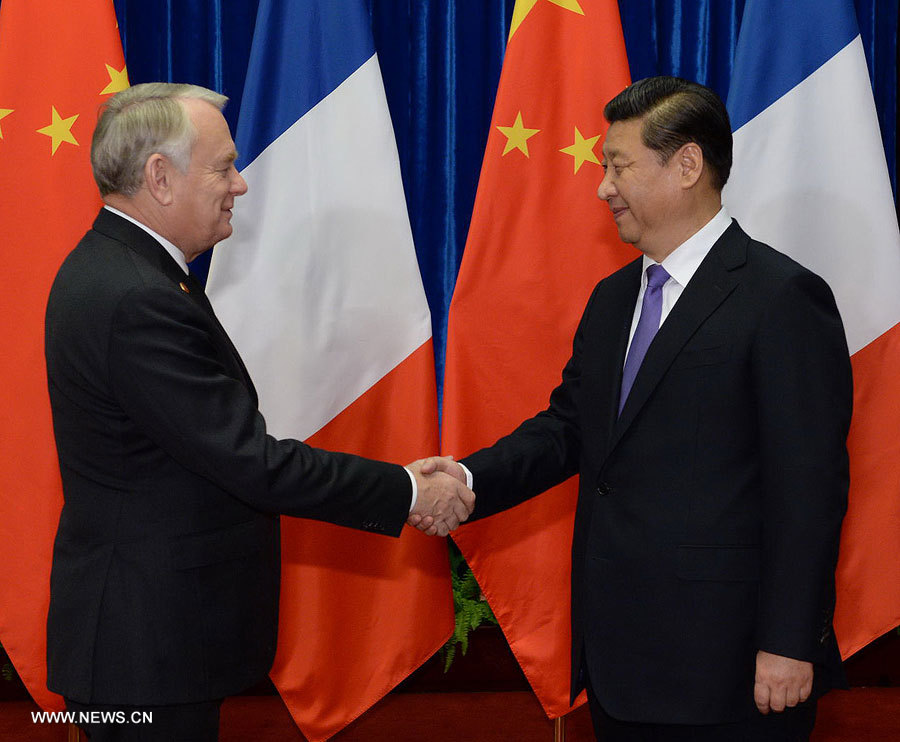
164,586
709,513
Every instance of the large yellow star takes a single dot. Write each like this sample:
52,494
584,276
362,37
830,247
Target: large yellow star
582,150
118,80
524,7
517,136
59,130
4,112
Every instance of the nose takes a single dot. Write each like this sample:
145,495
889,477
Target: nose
607,188
238,185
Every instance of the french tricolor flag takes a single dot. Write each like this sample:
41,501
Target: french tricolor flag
320,290
810,179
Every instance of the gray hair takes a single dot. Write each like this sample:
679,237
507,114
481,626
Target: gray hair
141,121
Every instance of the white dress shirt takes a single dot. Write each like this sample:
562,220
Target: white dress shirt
681,264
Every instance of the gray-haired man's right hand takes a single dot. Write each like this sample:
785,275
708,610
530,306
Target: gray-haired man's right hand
443,501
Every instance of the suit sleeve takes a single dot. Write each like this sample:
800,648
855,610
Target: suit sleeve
802,381
167,373
539,454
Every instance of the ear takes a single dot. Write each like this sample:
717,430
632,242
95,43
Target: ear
690,164
158,172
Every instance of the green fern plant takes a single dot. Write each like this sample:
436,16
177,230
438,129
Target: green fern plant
472,610
6,669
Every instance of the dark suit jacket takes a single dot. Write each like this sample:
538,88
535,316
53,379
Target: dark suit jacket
709,513
165,577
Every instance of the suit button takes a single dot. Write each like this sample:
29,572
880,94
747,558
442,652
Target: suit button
603,489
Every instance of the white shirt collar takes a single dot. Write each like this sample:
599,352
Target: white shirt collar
683,261
176,254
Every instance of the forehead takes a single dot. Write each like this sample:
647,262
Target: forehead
213,135
624,138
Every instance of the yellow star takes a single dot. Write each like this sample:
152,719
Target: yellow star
517,136
59,130
118,80
582,150
4,112
524,7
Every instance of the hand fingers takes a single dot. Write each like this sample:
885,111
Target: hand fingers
414,520
460,510
761,697
467,497
805,691
792,697
429,466
777,699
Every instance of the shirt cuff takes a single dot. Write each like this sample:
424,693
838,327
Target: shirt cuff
415,489
469,478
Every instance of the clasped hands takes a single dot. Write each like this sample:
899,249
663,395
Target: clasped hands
444,501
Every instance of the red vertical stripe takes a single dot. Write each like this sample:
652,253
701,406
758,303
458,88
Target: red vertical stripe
359,611
868,574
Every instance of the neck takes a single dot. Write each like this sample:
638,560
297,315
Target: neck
682,229
143,211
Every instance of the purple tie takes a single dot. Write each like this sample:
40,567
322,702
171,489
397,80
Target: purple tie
648,324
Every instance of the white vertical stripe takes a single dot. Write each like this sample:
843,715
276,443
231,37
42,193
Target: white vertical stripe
319,286
810,179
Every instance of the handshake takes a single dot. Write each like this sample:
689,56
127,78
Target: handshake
444,501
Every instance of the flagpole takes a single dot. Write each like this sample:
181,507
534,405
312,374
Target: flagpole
559,729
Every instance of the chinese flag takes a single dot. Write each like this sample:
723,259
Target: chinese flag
538,243
59,60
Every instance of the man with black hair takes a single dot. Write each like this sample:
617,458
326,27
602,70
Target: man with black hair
706,407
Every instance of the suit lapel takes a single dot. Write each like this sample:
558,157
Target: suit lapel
613,328
714,280
145,245
141,242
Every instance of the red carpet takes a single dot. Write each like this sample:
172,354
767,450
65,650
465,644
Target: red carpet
858,715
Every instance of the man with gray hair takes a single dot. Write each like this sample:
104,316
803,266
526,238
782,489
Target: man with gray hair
164,587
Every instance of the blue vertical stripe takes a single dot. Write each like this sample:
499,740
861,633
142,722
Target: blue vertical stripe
780,44
328,40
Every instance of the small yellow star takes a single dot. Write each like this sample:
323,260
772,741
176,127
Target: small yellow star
4,112
524,7
118,80
582,150
517,136
59,130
